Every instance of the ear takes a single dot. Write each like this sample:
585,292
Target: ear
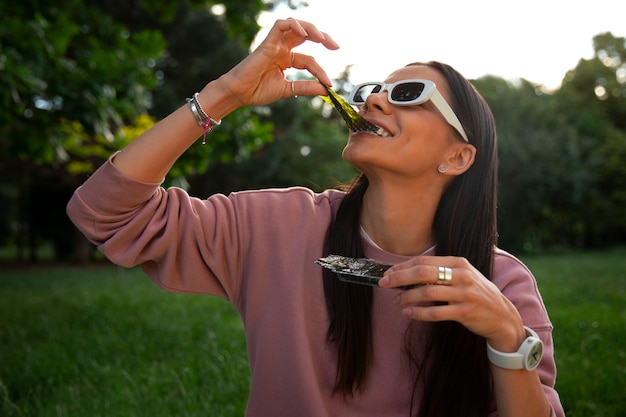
461,158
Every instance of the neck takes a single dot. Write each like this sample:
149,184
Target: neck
400,219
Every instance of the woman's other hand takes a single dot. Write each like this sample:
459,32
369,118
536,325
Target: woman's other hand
459,293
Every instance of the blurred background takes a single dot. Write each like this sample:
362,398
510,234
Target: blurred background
81,78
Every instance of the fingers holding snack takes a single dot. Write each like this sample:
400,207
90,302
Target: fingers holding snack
455,290
294,33
259,79
310,87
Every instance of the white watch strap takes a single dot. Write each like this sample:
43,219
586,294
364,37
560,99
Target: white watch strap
516,360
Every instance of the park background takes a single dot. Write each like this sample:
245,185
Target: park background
80,79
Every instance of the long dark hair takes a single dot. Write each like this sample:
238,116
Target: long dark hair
464,225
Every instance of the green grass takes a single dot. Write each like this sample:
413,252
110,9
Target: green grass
585,294
107,342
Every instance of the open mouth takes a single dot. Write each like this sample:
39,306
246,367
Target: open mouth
373,129
354,121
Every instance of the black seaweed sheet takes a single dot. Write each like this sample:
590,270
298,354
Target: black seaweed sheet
353,120
356,270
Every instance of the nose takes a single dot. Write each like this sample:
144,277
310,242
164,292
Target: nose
378,101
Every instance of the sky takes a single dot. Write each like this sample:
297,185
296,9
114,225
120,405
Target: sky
538,40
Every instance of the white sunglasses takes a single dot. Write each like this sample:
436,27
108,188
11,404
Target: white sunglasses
409,93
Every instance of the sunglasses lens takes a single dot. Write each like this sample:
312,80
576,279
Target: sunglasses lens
361,94
407,92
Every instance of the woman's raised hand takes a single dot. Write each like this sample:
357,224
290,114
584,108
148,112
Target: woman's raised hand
259,79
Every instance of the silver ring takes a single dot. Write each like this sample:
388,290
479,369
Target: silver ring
445,275
293,90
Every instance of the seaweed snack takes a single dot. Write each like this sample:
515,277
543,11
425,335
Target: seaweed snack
353,120
356,270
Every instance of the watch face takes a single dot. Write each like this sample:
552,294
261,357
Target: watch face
534,356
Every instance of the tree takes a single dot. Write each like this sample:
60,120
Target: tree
562,154
542,185
593,96
78,80
71,77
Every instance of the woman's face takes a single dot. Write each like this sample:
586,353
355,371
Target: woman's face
416,140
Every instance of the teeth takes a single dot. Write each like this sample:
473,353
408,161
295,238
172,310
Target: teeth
382,132
378,132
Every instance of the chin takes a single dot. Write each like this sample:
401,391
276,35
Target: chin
356,155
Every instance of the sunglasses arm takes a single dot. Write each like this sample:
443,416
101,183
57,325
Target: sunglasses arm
447,112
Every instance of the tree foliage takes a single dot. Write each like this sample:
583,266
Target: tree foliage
81,78
562,154
594,94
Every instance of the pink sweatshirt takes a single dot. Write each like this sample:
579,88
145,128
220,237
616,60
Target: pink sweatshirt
257,250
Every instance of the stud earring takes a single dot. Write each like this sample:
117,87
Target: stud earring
443,168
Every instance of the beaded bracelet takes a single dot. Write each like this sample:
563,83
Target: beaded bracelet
202,118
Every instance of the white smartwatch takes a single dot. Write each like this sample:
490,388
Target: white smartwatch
527,356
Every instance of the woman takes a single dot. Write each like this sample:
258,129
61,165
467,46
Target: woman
424,202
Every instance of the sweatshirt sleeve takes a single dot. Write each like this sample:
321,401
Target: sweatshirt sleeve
135,223
518,284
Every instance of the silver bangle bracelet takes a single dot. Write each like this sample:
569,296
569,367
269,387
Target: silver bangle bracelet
204,120
202,117
194,110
